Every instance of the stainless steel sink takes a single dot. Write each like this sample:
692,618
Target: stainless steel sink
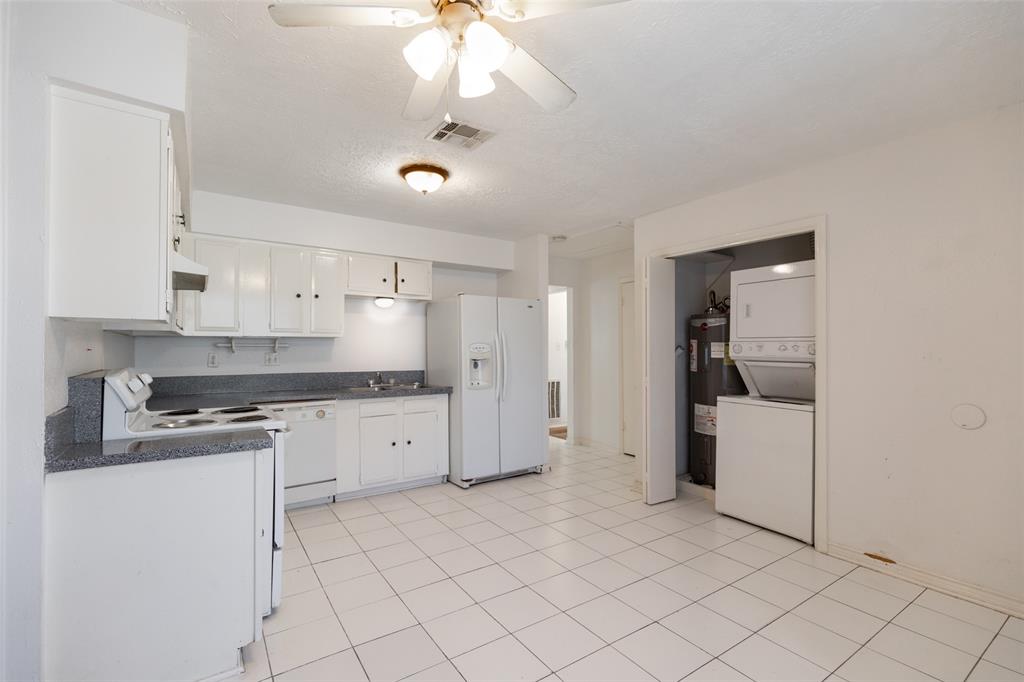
386,387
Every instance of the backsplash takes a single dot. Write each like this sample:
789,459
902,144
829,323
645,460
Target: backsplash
259,383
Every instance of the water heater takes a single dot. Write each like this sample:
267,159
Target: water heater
712,373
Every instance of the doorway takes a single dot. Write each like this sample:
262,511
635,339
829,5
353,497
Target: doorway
560,374
629,371
661,352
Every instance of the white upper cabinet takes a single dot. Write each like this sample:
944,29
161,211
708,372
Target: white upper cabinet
109,235
371,275
289,290
382,276
218,308
329,279
414,278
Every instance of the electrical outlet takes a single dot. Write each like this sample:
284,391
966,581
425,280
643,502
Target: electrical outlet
212,361
271,358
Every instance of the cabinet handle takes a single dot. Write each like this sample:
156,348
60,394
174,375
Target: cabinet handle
298,295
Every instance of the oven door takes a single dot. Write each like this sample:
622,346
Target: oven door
778,380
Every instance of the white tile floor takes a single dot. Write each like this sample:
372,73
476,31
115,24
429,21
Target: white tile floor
567,576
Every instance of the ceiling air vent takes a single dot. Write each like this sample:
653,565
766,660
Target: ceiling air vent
460,134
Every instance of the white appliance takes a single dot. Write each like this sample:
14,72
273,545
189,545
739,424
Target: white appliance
311,470
765,467
491,351
771,329
125,392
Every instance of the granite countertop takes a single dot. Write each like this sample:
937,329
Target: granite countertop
74,456
205,400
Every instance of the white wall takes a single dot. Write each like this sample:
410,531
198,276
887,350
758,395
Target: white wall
558,354
84,43
595,282
925,312
247,218
529,279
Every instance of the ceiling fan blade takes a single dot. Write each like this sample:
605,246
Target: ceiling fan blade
397,13
426,94
537,81
523,10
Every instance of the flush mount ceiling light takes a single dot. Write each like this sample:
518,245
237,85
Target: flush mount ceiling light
383,302
459,34
423,177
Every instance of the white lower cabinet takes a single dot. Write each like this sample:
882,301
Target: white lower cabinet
154,554
388,442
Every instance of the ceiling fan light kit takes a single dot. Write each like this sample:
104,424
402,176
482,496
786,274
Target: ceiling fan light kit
459,35
424,178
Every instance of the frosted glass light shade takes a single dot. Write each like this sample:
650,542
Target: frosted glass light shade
474,80
486,46
427,52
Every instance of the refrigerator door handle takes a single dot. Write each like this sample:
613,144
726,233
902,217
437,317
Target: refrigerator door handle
504,367
498,368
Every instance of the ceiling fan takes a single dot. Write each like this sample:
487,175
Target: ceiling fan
459,34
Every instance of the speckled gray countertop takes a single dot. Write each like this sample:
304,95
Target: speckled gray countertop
203,400
75,456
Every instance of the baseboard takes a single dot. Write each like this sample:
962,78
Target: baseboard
389,488
692,490
955,588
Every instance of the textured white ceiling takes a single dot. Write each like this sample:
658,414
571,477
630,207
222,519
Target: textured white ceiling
676,100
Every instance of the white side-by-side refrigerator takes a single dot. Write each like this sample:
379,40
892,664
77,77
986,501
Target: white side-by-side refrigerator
491,351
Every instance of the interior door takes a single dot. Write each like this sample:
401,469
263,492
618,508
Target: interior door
330,279
217,307
478,324
522,359
629,376
419,450
658,462
289,290
414,278
379,449
371,275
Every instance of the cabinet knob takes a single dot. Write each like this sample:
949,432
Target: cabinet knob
384,279
408,442
316,295
298,295
393,443
403,279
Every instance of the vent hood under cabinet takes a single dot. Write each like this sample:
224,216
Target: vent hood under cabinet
186,274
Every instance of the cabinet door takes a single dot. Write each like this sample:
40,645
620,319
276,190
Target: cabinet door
419,453
379,449
329,283
217,307
289,290
371,275
108,209
414,278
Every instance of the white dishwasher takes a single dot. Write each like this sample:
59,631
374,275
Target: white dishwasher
310,461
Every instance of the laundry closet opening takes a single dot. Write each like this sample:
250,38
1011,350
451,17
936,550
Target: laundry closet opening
740,323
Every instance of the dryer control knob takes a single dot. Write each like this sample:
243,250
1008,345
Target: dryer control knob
782,347
795,347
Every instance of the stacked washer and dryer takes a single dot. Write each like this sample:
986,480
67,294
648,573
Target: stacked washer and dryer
764,469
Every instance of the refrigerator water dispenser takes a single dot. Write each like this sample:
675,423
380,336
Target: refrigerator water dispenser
481,366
